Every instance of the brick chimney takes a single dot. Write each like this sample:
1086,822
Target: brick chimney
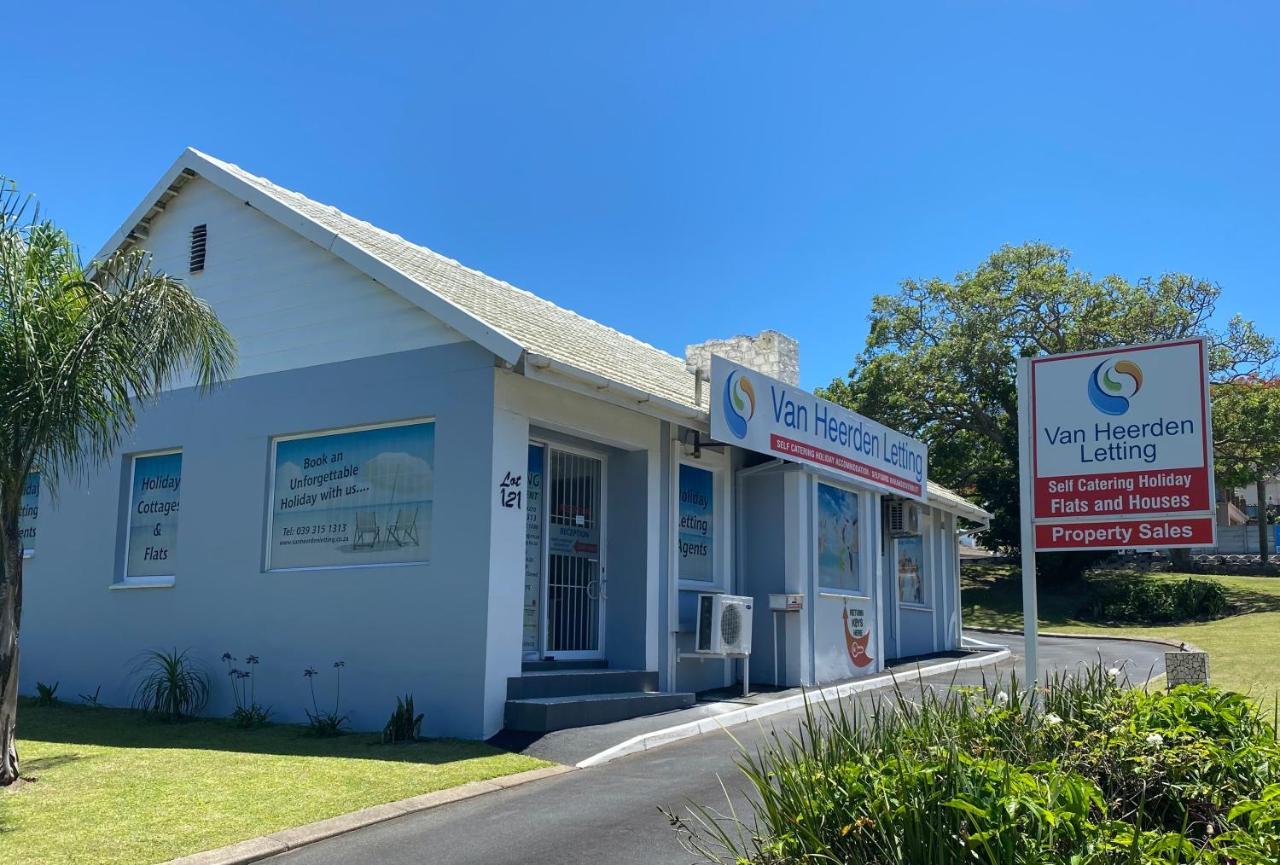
772,353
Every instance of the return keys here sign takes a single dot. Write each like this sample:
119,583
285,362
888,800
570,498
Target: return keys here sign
1121,451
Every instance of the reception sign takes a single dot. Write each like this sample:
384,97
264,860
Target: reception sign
154,500
752,410
697,524
353,498
1121,453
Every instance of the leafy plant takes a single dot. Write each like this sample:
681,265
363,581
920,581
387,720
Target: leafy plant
1143,600
403,725
172,686
326,723
92,699
46,695
248,712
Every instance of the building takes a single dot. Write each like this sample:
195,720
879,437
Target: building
459,489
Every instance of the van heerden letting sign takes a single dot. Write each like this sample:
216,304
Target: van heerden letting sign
1121,449
769,416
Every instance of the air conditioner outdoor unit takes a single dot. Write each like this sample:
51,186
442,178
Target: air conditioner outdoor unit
724,625
901,518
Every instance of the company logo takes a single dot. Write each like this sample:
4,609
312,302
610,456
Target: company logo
1112,384
739,403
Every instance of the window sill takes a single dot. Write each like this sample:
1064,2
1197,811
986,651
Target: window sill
142,583
922,608
850,594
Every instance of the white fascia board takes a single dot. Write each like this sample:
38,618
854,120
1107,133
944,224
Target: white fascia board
414,292
545,369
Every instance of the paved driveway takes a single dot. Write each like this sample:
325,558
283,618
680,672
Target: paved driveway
610,814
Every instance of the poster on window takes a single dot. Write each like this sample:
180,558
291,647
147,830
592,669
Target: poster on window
533,551
353,498
28,511
910,558
153,515
697,525
837,538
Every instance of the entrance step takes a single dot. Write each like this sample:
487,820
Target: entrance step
544,714
569,683
553,664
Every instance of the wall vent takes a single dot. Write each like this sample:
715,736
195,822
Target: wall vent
199,237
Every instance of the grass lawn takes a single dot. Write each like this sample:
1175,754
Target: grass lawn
1242,647
112,787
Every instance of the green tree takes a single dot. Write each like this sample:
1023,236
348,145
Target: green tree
81,349
1246,439
940,358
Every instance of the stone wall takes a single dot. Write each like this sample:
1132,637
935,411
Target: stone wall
772,353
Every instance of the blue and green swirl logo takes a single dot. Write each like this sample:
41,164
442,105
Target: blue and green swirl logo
1113,384
739,403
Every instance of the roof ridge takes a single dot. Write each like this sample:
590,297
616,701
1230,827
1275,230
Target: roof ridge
271,185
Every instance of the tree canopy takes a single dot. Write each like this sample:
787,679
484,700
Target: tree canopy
1246,437
940,358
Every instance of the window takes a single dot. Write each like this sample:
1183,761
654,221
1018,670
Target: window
28,511
908,557
697,524
353,498
155,488
838,565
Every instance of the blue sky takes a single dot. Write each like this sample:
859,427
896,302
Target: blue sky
691,170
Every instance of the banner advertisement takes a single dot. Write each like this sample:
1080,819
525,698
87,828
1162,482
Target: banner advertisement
754,411
353,498
1121,448
534,522
153,515
909,563
29,512
697,524
844,638
838,539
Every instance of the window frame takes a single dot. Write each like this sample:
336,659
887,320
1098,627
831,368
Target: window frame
862,591
158,580
721,496
269,516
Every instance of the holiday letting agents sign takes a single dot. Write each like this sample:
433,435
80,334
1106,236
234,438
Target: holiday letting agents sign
763,414
1121,452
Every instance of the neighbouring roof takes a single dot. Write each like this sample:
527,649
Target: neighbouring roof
508,320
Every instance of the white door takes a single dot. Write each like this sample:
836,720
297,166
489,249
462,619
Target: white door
575,581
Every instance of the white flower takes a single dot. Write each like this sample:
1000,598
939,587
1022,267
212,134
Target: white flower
1155,740
1053,719
1002,699
1114,673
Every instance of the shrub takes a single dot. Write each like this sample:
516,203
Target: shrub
46,695
92,699
403,725
248,712
1089,773
326,723
1141,600
172,687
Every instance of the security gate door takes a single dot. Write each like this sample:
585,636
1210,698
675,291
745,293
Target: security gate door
575,578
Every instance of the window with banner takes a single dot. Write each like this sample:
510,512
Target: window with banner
155,489
697,529
28,512
909,564
352,498
838,548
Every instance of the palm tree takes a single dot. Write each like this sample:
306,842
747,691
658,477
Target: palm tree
81,349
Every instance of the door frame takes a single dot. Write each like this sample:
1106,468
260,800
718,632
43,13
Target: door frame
601,575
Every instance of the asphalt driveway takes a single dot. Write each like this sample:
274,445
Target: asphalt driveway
609,814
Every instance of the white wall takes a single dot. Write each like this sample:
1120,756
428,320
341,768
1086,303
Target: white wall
288,302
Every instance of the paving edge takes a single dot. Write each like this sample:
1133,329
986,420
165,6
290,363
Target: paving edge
257,849
656,738
1181,645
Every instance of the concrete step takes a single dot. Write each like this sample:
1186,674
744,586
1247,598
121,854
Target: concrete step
544,714
547,664
569,683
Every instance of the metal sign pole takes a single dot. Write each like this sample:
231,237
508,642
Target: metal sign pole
1030,612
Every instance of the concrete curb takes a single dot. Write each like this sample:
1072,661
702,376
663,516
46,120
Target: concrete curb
646,741
257,849
1183,646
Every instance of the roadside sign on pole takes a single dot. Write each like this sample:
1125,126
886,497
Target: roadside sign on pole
1116,452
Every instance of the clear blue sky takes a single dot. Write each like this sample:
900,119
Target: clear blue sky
691,170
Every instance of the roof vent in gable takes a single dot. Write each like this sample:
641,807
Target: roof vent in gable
199,236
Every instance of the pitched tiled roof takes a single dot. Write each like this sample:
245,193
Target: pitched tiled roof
537,325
